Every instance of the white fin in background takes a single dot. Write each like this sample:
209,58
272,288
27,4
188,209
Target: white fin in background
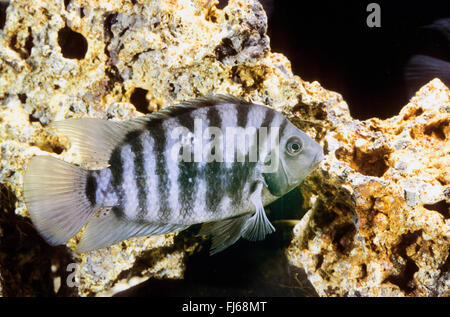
258,226
54,193
94,139
224,232
106,228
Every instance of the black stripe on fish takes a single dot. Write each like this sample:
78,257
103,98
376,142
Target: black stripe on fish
282,127
238,176
242,114
214,170
268,117
158,133
133,138
116,167
91,188
188,172
187,180
214,118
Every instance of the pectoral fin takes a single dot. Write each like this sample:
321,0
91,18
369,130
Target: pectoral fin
224,233
258,226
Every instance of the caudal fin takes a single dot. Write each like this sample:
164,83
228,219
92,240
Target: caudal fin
55,194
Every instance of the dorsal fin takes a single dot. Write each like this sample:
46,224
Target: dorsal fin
200,102
94,139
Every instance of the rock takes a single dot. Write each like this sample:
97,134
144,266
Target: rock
377,224
378,220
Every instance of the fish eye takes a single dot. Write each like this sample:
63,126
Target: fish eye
294,146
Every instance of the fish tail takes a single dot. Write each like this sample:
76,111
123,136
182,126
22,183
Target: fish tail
56,194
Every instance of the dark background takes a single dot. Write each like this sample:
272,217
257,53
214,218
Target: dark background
329,41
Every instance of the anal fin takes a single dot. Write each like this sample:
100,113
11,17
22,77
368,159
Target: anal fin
107,228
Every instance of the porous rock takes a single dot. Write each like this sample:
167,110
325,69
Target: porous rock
377,223
379,219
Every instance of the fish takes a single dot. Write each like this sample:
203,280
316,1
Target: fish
187,164
431,58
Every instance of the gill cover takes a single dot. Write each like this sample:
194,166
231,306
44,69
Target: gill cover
277,181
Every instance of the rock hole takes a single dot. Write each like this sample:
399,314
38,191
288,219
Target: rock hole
319,261
3,6
418,112
224,49
438,129
405,280
343,238
139,100
441,207
222,4
372,163
29,43
363,271
446,266
22,98
25,50
323,217
73,44
33,119
66,4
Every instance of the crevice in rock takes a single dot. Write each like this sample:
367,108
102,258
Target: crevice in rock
139,100
136,56
442,207
323,216
344,237
110,19
224,49
438,129
3,7
370,163
405,280
32,118
319,261
73,44
363,271
114,76
22,98
24,51
373,163
66,4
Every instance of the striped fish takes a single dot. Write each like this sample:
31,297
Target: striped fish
213,160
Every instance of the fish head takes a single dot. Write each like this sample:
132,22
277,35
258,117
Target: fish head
297,156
